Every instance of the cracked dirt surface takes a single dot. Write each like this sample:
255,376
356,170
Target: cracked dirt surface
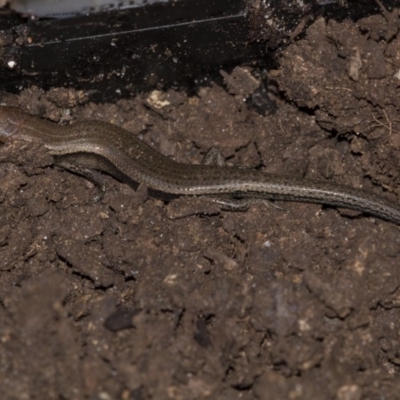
137,298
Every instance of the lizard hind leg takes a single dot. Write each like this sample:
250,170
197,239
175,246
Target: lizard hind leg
233,201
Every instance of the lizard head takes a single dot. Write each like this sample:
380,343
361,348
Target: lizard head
10,120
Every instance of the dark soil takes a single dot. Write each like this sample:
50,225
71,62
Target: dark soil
136,298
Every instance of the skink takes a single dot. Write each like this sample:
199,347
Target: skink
95,145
